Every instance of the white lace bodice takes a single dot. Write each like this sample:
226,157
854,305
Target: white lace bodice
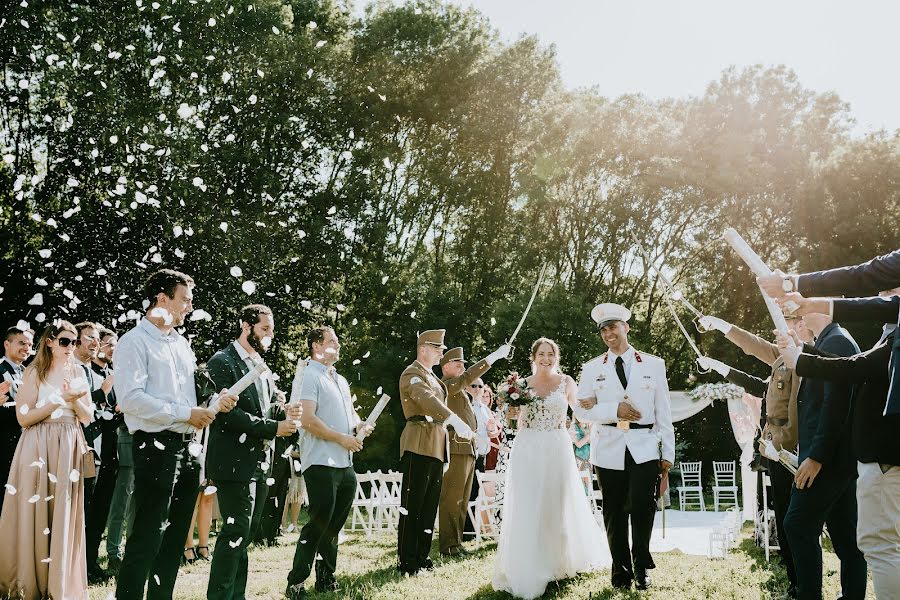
548,413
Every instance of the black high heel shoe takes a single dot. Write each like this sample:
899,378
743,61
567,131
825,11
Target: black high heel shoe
201,556
189,559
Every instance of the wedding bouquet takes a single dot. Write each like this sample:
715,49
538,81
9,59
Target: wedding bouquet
514,391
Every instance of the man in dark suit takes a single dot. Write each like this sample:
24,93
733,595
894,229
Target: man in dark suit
873,435
866,279
239,453
16,348
824,489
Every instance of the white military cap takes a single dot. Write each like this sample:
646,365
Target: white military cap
609,312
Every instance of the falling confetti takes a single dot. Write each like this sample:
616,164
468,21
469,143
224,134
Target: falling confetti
248,287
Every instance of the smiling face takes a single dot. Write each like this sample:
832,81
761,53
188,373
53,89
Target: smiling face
88,345
544,357
476,389
260,335
18,347
328,351
615,336
172,311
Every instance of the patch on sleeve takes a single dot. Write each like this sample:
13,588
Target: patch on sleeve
415,380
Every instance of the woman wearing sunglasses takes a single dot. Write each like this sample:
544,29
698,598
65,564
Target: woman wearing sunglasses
42,523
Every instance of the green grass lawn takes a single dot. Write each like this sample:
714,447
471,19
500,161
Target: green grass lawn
366,571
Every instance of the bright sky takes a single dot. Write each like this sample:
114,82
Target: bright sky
676,47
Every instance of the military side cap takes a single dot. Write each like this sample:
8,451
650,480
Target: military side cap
432,337
453,354
609,312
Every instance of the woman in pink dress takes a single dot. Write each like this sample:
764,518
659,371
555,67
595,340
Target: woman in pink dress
42,526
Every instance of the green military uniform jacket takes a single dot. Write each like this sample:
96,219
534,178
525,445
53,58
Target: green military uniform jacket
782,416
423,398
459,401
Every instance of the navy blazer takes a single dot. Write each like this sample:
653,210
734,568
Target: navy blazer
824,408
880,310
866,279
874,434
237,439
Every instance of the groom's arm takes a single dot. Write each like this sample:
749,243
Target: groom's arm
600,412
663,414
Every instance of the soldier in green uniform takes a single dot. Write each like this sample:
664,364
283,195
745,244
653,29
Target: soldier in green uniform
423,451
457,484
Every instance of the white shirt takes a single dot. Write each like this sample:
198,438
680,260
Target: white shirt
482,415
261,383
154,380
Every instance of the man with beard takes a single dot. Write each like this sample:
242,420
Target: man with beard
156,389
16,348
240,450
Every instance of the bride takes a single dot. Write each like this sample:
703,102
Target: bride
548,531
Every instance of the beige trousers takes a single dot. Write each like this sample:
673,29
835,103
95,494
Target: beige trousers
878,528
455,490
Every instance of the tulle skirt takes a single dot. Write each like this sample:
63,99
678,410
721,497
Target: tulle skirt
548,530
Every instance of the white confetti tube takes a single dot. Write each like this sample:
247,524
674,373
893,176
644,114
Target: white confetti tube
373,416
242,384
760,269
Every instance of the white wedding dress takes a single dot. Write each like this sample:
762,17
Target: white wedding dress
548,531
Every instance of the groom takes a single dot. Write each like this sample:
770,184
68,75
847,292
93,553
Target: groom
626,393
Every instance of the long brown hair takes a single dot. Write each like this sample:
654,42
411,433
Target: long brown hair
536,346
43,357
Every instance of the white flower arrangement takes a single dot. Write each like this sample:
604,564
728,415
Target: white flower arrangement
709,392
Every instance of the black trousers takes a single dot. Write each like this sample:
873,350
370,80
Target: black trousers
469,528
104,487
419,497
331,492
629,493
241,504
782,484
830,501
166,483
273,510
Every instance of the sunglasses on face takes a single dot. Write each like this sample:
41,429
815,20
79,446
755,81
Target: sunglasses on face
476,385
64,342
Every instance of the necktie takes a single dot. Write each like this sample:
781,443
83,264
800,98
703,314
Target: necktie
620,371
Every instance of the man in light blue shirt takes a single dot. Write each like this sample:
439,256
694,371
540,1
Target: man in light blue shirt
154,385
326,457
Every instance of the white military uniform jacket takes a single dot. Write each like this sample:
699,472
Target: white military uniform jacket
647,391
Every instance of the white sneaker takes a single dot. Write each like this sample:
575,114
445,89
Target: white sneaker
342,537
290,528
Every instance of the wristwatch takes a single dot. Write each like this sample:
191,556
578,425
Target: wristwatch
787,284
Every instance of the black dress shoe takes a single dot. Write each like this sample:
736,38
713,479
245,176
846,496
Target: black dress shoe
641,579
97,575
427,564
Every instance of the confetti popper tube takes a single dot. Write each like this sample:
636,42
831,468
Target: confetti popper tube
760,269
376,412
242,384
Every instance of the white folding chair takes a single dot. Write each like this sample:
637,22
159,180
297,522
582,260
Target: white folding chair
691,489
768,516
595,496
725,490
486,505
388,511
365,503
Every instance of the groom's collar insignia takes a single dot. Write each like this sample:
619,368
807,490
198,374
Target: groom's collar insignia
605,357
637,356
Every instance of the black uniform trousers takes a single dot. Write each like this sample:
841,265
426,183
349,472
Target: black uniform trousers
830,501
629,493
420,495
782,484
241,504
273,510
166,484
104,487
331,491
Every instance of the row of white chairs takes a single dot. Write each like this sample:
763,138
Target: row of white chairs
376,505
726,535
725,489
